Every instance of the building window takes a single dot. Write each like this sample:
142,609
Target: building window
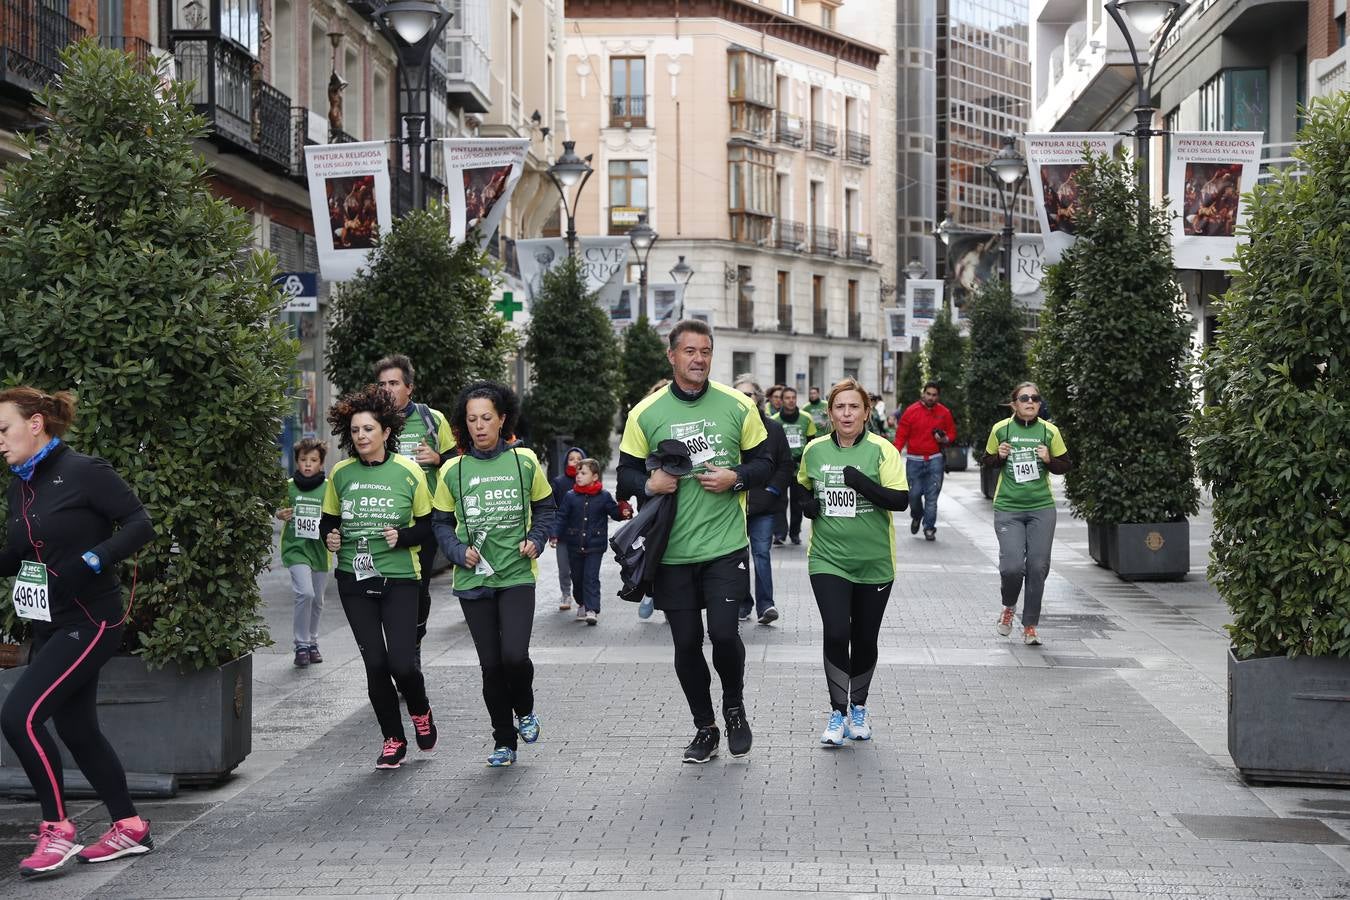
854,313
745,299
819,322
239,21
1236,100
627,193
751,90
752,199
784,302
742,363
628,91
852,365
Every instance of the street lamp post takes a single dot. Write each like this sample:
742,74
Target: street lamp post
682,273
642,236
570,171
413,27
1008,170
1147,16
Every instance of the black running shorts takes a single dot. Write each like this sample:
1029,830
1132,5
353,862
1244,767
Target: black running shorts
696,585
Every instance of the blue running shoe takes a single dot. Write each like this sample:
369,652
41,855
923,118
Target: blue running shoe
501,758
646,606
528,726
859,726
834,730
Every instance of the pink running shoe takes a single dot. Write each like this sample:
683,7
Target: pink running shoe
425,727
118,841
55,846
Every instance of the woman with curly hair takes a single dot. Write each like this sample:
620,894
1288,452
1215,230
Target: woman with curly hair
494,508
376,515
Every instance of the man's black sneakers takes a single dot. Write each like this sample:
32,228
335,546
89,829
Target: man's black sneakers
704,745
738,731
914,525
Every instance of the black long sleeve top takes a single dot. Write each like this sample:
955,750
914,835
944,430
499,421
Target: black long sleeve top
75,504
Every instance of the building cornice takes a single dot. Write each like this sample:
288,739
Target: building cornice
739,12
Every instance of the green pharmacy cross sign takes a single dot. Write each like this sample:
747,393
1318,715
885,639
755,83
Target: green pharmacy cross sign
508,306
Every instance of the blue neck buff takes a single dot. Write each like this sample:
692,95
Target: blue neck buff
25,470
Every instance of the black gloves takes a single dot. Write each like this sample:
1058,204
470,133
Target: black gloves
855,479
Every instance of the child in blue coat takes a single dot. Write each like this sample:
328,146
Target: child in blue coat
583,527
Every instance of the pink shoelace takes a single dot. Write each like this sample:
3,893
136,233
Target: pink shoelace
391,746
50,839
422,724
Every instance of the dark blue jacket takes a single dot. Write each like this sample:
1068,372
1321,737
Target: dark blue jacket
583,521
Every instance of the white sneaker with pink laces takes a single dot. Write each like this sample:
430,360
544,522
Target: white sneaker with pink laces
55,846
122,839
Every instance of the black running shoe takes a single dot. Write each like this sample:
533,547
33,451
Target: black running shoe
425,727
914,525
769,616
704,745
738,731
392,753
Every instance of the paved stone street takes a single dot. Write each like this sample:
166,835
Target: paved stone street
1065,771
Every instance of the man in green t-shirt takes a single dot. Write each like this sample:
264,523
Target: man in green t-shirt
819,411
706,561
426,439
800,428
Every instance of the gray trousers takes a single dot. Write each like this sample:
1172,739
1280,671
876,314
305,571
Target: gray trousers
564,570
308,586
1024,541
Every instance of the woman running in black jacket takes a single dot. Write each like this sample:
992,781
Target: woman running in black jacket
63,542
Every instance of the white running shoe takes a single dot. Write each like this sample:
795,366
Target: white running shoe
834,730
1005,620
859,726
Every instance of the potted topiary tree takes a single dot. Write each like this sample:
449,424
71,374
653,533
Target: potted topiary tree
122,277
1272,447
910,384
574,361
1120,339
997,363
944,358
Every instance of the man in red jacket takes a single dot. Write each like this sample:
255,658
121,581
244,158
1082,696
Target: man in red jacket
927,427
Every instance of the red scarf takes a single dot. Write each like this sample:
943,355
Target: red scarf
571,471
589,490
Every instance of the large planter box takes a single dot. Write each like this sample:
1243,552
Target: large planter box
1154,551
989,481
955,459
195,725
1289,719
1099,544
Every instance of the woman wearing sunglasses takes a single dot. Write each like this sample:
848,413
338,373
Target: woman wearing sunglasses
1026,449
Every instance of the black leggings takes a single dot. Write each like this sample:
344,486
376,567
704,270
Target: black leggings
851,615
426,556
383,616
500,625
61,684
686,629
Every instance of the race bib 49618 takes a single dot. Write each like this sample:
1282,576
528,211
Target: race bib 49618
32,600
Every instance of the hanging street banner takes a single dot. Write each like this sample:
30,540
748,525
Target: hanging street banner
923,299
897,340
1209,174
1028,268
481,174
1053,161
603,260
665,302
350,199
973,257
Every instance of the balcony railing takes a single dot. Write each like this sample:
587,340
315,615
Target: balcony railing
788,235
858,146
138,48
31,40
819,321
299,138
221,75
824,138
825,241
273,127
860,247
784,317
855,325
788,129
628,109
745,314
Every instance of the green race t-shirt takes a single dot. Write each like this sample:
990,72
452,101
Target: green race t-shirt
370,499
820,414
1024,481
716,428
491,501
301,543
415,432
851,538
799,433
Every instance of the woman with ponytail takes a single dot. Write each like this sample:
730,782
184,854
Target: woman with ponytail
71,520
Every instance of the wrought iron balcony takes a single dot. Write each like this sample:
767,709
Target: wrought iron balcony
858,146
824,138
274,128
221,75
32,37
784,317
788,235
789,129
628,109
745,314
819,321
860,247
825,241
138,48
855,325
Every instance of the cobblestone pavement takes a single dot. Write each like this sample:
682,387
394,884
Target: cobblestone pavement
997,771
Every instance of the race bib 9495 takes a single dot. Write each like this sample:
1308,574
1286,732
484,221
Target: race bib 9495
31,596
306,519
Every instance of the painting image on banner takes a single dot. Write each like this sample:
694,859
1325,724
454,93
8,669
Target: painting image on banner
972,259
1209,173
349,197
482,174
1053,161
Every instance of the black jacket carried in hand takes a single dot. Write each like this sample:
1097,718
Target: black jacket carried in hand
773,496
639,545
73,505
